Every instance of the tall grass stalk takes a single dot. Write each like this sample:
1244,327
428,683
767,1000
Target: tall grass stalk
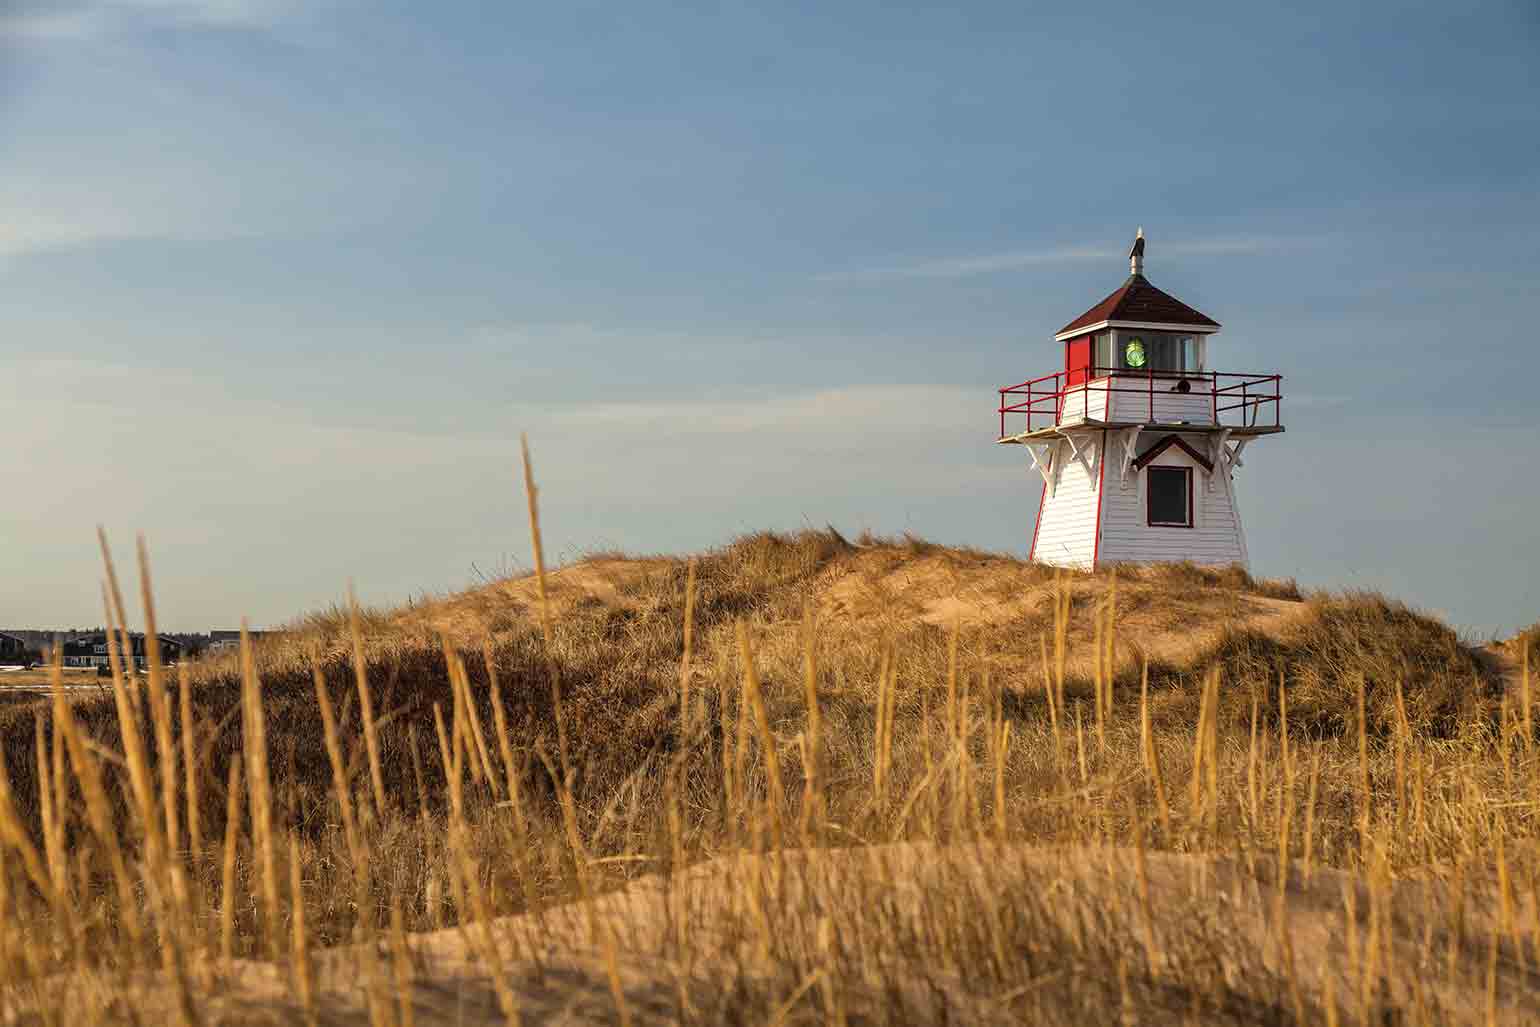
258,783
537,547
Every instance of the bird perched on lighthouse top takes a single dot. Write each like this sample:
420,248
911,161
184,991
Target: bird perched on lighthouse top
1136,255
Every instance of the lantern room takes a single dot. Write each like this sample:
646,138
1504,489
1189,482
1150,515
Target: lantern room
1140,356
1138,328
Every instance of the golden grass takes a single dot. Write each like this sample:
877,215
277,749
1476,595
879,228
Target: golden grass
707,799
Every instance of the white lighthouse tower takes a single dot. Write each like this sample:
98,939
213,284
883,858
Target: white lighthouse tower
1136,439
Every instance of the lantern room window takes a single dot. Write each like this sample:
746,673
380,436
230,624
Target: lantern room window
1170,497
1101,348
1134,350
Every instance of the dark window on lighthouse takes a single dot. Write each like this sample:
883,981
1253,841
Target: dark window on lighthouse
1170,494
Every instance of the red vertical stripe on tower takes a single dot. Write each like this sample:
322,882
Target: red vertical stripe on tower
1101,481
1032,552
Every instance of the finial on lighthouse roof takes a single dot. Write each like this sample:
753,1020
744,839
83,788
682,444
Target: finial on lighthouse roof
1136,255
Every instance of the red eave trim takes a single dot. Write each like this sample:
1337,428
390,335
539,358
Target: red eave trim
1100,312
1138,300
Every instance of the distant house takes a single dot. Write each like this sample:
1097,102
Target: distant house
91,650
224,641
12,648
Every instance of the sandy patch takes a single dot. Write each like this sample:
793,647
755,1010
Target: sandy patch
1215,913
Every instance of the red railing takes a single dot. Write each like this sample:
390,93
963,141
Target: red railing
1234,400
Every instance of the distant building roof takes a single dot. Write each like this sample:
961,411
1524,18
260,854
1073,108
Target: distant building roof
1136,300
221,635
134,636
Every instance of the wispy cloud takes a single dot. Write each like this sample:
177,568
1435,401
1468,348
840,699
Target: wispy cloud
965,267
207,12
1011,260
853,412
169,175
164,202
45,25
64,21
27,232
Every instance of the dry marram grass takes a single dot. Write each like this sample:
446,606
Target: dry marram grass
796,779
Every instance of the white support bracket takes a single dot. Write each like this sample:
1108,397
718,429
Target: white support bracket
1233,456
1217,455
1130,439
1074,450
1044,461
1086,457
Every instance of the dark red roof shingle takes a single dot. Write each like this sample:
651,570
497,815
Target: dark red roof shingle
1138,300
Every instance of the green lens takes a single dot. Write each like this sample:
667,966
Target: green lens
1133,354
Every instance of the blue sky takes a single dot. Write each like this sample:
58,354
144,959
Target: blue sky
282,282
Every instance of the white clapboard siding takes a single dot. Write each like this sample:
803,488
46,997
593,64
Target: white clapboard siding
1126,535
1130,399
1084,403
1133,397
1066,528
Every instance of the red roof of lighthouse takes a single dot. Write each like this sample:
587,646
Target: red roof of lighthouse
1138,300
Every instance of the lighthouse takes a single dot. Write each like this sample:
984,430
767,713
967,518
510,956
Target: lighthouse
1137,439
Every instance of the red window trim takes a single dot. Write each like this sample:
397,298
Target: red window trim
1149,494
